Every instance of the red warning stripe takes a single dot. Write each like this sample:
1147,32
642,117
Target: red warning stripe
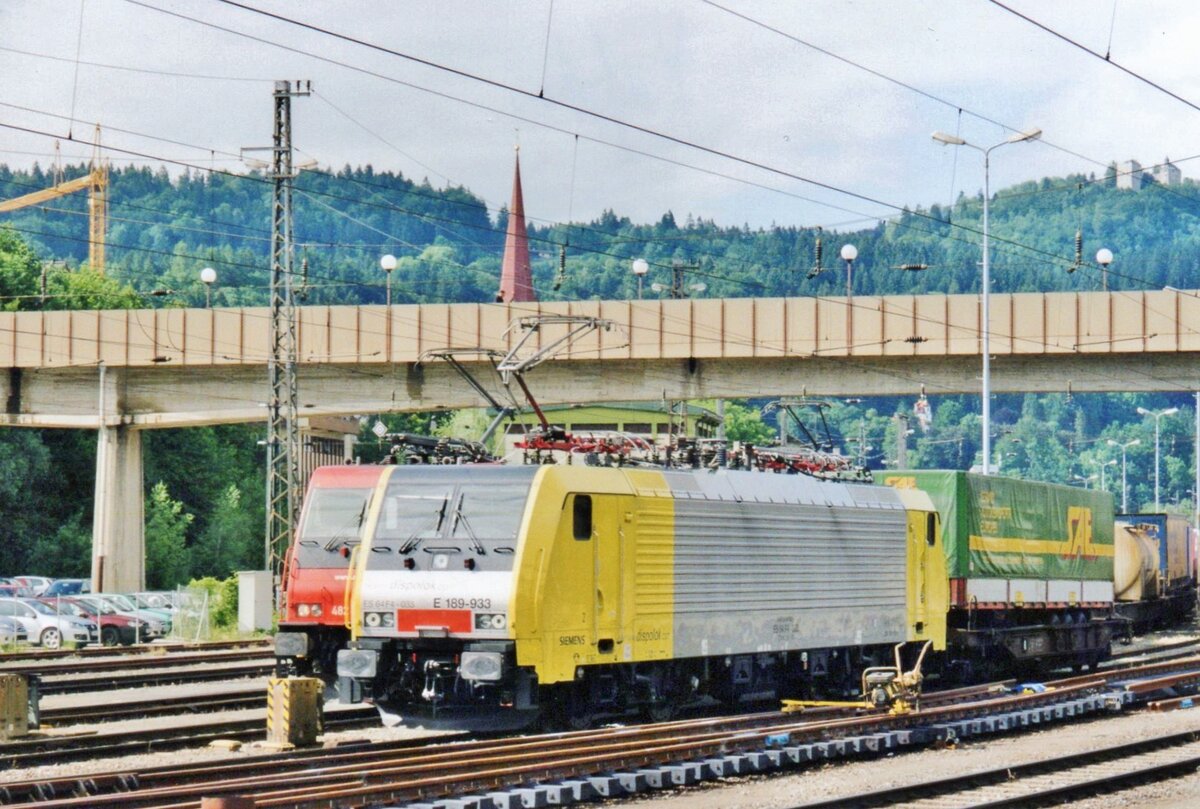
451,620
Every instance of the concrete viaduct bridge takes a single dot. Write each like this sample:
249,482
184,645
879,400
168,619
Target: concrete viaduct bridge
123,371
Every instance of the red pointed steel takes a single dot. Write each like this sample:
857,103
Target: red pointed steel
516,278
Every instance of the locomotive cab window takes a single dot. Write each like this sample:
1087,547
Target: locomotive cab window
582,522
930,529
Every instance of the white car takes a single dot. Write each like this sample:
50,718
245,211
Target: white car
47,628
35,585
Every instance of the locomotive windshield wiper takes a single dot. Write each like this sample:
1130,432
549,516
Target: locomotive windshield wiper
460,517
414,539
342,534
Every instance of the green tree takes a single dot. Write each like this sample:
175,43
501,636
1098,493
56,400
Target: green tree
745,424
166,540
72,546
230,541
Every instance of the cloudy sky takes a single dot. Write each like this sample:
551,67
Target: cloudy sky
786,118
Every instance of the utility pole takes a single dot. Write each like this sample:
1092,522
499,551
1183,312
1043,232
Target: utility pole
678,268
283,432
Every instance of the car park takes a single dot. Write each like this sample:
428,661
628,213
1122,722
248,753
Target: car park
34,585
47,628
156,626
115,627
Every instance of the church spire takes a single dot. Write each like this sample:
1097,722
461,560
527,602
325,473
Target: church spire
516,278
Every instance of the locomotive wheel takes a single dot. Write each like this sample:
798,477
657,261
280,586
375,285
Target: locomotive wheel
662,711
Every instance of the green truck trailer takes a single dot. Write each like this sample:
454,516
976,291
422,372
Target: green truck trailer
1019,542
1031,571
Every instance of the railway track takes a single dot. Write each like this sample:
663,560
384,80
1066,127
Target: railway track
248,697
74,675
594,763
1045,782
145,649
172,676
566,767
42,750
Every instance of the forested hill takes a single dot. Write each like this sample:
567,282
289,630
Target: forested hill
162,230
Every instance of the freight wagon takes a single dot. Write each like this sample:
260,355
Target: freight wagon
1030,570
1155,571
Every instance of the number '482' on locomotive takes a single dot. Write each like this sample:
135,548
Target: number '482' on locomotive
590,591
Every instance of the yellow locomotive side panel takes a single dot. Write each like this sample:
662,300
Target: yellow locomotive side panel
650,588
571,580
928,580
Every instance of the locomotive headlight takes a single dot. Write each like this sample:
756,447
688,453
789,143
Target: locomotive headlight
316,610
389,619
481,666
373,619
302,610
498,621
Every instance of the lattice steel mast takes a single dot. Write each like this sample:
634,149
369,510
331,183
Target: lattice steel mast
283,432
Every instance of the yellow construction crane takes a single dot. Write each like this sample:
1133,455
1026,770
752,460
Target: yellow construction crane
96,182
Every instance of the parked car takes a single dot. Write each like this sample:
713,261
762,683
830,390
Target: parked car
68,587
156,601
115,628
156,626
47,628
36,585
12,631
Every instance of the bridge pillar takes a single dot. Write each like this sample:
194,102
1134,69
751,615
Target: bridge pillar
118,523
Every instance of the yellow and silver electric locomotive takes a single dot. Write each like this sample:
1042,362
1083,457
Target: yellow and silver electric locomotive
490,594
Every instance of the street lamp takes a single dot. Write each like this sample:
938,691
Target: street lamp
209,277
1103,465
1124,485
1158,414
849,253
954,140
387,264
1104,257
640,268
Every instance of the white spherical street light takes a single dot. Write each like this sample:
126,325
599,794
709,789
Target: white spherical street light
208,276
640,268
1104,257
849,252
388,263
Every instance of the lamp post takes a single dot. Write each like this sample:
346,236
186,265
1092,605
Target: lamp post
1124,485
849,253
1158,414
1104,257
640,268
954,140
1103,468
387,264
209,277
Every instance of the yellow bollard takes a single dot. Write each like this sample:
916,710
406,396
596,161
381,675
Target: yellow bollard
294,711
14,706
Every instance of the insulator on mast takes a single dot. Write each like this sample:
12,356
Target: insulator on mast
817,269
1078,252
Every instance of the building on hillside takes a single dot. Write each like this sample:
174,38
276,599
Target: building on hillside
641,419
1130,176
516,275
1167,173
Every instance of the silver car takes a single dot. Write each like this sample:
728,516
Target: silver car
47,628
